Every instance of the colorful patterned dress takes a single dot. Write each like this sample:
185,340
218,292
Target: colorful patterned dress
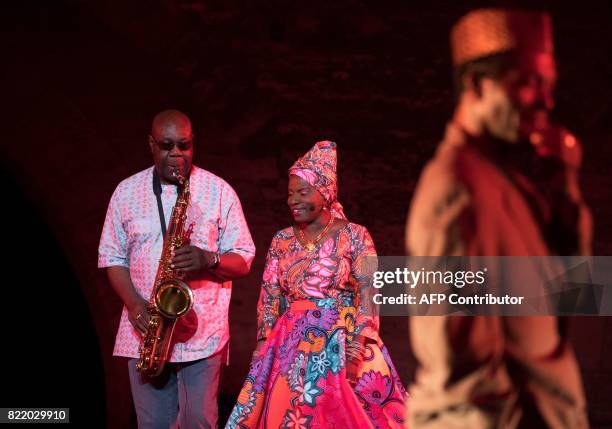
299,378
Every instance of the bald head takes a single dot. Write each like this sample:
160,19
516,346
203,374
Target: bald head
170,120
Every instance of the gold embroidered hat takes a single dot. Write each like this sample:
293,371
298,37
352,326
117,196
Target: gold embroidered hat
485,32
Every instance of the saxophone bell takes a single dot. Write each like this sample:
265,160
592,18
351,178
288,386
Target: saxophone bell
173,298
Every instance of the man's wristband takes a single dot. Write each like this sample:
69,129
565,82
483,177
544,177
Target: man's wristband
216,261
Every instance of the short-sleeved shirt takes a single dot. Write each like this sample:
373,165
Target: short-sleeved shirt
132,238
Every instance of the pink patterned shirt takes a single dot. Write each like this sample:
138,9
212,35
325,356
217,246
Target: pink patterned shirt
132,238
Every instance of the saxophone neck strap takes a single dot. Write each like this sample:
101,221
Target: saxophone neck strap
157,190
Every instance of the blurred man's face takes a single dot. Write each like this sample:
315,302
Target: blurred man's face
521,100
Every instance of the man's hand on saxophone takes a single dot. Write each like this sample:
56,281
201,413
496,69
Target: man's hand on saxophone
226,266
120,280
193,259
139,316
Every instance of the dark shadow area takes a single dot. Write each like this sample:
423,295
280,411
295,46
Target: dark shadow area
51,356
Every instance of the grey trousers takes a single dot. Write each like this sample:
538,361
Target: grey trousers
183,396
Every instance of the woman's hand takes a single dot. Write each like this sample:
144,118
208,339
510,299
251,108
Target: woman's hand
356,347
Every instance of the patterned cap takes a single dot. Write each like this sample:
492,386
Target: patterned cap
318,168
485,32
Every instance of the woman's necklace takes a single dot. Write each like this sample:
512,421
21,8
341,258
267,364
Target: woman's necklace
311,244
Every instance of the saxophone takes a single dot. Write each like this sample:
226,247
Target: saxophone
171,298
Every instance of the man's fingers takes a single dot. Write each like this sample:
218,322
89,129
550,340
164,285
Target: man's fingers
139,326
182,265
182,258
188,268
182,250
145,319
185,267
140,321
142,327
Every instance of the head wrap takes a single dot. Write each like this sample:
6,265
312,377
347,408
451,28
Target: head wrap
318,168
485,32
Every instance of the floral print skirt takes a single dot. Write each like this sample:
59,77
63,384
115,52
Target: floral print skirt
299,379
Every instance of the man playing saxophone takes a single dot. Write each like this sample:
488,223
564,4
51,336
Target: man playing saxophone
219,249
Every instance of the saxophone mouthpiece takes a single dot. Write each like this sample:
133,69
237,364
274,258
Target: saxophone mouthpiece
179,177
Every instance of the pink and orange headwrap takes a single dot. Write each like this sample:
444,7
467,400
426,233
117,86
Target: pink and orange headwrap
318,168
